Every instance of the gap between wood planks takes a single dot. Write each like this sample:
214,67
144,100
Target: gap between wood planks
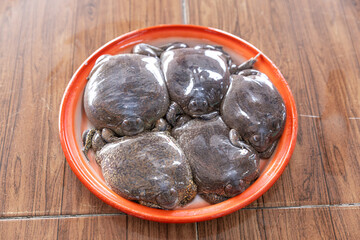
315,116
124,214
184,11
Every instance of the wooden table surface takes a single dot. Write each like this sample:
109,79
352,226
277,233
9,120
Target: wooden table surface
316,46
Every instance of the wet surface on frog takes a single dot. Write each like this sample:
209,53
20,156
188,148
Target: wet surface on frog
126,93
137,89
197,79
255,109
220,169
149,168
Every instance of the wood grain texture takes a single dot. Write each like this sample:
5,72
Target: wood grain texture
314,44
301,223
94,227
346,222
42,44
244,224
334,72
312,47
105,227
280,223
36,62
143,229
96,23
29,229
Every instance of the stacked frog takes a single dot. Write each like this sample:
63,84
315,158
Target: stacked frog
175,121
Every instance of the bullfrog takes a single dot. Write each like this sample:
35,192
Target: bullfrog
222,165
197,77
254,108
126,93
149,168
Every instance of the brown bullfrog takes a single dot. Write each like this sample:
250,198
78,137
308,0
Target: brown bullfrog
222,166
149,168
254,108
197,78
126,93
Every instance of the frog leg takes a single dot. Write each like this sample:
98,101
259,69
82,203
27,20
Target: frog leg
174,45
92,140
213,198
167,200
175,115
248,180
87,137
97,142
161,126
220,49
109,135
182,120
251,72
268,152
147,49
149,204
189,193
209,116
236,139
210,47
247,64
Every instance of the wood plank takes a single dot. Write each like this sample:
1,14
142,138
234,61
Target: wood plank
341,222
38,57
276,40
36,61
303,39
346,222
327,54
300,223
287,223
98,22
243,224
29,229
143,229
94,227
99,227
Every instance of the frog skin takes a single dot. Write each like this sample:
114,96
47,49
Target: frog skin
222,165
149,168
196,77
126,93
254,108
96,139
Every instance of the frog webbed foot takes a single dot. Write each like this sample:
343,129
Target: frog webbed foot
87,137
92,139
161,126
176,116
209,116
268,152
249,64
213,198
96,139
109,135
237,140
149,204
174,45
189,193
